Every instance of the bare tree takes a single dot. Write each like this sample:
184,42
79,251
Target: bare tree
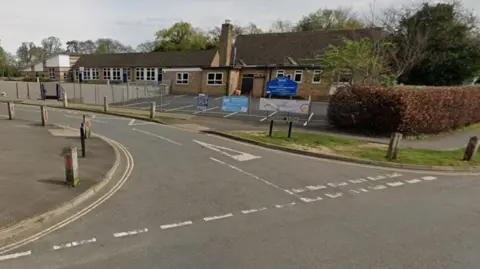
282,26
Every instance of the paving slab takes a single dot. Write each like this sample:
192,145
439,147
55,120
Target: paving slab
32,175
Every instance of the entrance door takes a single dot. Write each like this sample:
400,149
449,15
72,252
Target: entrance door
160,75
247,84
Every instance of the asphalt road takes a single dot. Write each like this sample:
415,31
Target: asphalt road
188,104
198,201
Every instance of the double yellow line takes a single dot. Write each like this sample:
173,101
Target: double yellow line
84,211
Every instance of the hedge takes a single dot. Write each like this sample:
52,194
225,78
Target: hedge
409,110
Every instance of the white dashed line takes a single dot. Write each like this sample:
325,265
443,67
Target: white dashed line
413,181
376,178
253,210
178,108
298,190
357,181
287,205
159,136
15,255
429,178
134,232
378,187
176,225
354,191
394,175
335,195
318,187
395,184
337,184
75,244
310,200
218,217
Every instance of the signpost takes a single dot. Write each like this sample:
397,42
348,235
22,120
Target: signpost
202,102
288,119
11,111
282,86
235,104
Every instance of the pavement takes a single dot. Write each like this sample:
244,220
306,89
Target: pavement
199,201
33,176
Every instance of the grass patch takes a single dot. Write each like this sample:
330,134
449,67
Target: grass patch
359,149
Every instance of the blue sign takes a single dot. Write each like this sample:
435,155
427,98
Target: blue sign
202,102
235,103
282,86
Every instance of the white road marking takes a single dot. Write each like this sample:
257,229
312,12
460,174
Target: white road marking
378,187
251,175
208,109
357,181
131,122
395,184
354,191
178,96
134,232
231,114
134,104
429,178
178,108
335,195
15,255
413,181
287,205
289,192
318,187
376,178
310,200
253,210
394,175
218,217
176,225
298,190
159,136
337,184
240,156
363,190
81,118
75,244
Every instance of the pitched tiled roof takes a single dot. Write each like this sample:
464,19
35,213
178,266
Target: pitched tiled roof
273,48
152,59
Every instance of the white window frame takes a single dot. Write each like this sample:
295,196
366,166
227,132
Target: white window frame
86,74
280,73
319,73
180,78
117,74
95,74
215,79
139,74
51,73
150,74
298,72
107,73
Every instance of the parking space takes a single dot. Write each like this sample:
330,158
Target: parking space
187,103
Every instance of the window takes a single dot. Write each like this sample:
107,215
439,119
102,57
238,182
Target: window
298,76
117,75
214,78
139,75
51,73
86,74
280,73
95,75
106,74
182,78
317,76
126,71
150,74
65,76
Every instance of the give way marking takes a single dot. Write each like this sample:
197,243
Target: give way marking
234,154
132,123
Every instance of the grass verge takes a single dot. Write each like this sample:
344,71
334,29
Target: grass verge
359,149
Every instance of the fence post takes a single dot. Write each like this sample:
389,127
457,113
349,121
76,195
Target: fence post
11,111
28,90
393,146
65,99
71,166
105,104
82,139
16,87
43,110
152,110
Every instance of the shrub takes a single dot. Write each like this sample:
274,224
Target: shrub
409,110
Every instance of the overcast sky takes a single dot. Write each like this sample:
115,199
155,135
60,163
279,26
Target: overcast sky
133,22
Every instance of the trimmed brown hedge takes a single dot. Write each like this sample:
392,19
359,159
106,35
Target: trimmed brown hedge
409,110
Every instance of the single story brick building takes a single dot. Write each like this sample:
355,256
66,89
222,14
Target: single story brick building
247,64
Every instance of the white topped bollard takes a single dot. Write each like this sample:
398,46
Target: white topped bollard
71,166
88,124
152,110
11,111
65,99
44,113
